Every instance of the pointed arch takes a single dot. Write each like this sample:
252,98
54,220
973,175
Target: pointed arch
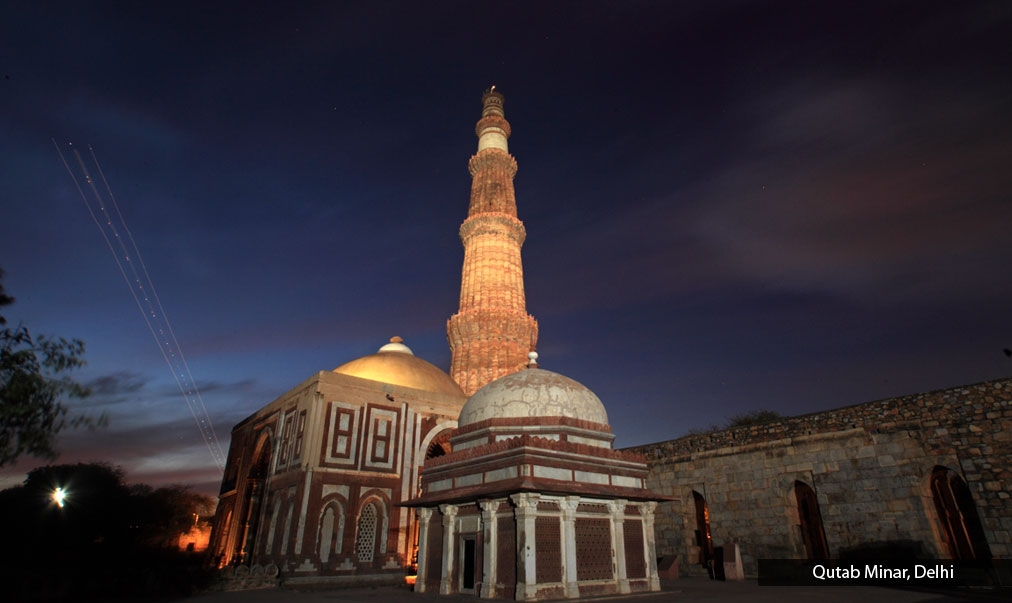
957,515
810,517
703,538
437,437
368,525
262,456
331,530
371,526
438,447
253,495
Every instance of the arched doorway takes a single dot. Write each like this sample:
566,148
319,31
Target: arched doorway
703,539
331,531
436,444
810,517
961,527
256,481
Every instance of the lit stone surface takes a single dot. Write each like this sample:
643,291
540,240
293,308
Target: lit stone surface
491,333
304,468
500,474
553,473
395,363
443,484
469,480
870,466
590,478
629,482
493,139
533,393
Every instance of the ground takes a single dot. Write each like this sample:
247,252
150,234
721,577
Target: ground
686,589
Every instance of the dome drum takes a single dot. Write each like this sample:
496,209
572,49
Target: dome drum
560,429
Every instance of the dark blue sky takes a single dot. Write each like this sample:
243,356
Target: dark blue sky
730,205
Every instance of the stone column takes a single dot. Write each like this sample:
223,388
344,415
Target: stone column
424,515
306,489
650,544
568,506
446,585
617,508
490,533
526,512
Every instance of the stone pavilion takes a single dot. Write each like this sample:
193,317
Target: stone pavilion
533,502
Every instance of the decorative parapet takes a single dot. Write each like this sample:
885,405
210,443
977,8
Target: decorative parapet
525,421
522,441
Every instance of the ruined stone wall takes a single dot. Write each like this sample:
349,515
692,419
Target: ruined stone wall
870,466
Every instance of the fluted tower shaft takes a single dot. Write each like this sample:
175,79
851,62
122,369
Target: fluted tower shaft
491,333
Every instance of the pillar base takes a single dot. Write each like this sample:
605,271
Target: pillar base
572,590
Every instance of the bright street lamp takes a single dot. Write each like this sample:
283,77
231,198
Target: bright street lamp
59,495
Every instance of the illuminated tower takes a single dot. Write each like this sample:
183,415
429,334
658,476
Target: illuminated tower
491,333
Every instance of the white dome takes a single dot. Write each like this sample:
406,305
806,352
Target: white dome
532,393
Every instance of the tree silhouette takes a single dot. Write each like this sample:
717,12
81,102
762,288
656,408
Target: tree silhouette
108,540
33,387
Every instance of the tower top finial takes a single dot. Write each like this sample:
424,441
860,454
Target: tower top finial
492,103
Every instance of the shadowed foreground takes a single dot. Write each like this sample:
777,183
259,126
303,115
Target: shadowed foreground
686,589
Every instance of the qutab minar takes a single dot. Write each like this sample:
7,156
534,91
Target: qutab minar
491,333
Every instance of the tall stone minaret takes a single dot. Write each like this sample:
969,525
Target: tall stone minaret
491,333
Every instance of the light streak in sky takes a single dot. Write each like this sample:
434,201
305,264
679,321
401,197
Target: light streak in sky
128,259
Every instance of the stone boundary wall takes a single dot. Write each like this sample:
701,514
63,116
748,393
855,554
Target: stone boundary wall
869,464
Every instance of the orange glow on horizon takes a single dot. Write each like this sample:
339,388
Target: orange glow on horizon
197,539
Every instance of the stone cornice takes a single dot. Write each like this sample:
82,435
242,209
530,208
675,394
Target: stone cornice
493,223
497,122
524,421
492,159
527,441
533,484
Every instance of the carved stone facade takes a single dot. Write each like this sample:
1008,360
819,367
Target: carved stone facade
491,333
927,474
532,503
313,479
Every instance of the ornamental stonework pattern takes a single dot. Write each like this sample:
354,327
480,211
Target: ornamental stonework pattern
491,333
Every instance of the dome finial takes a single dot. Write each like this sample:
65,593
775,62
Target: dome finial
396,345
532,359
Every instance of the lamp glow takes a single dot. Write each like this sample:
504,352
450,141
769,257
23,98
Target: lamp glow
59,495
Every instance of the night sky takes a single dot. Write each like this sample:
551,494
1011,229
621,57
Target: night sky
730,206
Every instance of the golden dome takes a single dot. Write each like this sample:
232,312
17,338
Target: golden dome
395,364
